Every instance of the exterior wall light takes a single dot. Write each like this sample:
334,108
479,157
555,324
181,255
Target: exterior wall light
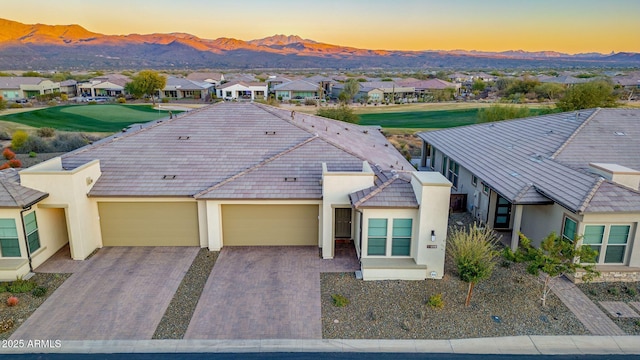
433,235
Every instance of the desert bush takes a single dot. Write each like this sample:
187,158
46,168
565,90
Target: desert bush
8,154
18,139
4,166
165,100
6,325
52,103
631,291
436,301
46,132
15,106
40,291
310,102
4,135
613,290
92,102
21,286
34,144
121,100
68,142
32,154
15,163
64,97
339,300
12,301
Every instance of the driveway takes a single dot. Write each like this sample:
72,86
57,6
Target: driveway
121,293
265,293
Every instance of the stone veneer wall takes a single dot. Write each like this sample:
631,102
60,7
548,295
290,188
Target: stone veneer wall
609,276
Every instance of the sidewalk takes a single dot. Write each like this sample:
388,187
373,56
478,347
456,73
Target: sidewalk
547,345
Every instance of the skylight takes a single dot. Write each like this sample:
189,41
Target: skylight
619,133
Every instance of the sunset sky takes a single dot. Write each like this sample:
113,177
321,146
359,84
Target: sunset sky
571,26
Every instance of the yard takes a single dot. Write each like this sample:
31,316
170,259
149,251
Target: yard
89,118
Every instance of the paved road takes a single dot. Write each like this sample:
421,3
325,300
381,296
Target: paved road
123,294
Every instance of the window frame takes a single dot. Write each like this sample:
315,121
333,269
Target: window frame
397,237
377,237
604,244
391,235
564,224
7,239
453,173
33,235
474,180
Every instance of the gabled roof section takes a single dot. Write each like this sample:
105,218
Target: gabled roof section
13,195
296,85
393,192
611,197
15,82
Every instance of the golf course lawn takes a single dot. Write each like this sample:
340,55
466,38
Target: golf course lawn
90,118
429,119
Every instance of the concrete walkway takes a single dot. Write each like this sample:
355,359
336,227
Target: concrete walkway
521,345
594,319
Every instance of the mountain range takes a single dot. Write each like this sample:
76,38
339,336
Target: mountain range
72,47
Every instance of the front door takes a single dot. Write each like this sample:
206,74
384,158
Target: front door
503,214
343,223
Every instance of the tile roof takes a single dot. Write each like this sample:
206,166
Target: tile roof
431,84
13,195
232,151
204,76
391,190
185,84
610,197
296,85
15,82
533,160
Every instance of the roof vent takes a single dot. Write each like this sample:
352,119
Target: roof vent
269,132
619,133
290,179
549,132
184,137
365,131
514,174
536,157
169,177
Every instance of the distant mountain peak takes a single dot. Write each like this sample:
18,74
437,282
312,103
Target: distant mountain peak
281,40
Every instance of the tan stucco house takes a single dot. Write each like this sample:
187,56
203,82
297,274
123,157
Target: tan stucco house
14,88
575,173
239,174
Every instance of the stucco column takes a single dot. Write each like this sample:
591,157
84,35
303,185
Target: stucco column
517,220
423,156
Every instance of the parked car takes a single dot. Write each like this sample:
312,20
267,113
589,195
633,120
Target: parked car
22,101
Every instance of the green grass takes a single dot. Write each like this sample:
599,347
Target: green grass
90,118
427,119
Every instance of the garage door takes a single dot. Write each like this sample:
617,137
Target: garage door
149,224
269,225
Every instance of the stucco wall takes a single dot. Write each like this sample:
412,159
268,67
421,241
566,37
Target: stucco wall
633,246
538,221
52,229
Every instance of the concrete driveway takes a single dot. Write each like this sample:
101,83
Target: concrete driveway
265,293
121,293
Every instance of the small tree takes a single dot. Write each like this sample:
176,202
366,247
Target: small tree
18,139
555,257
592,94
147,82
351,89
474,252
342,112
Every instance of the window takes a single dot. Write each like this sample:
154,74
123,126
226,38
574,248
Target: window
401,240
377,240
609,241
485,189
31,225
569,229
452,172
593,236
9,245
474,180
444,165
432,157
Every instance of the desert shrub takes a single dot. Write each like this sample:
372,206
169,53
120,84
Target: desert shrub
92,102
165,100
310,102
15,106
631,291
52,103
34,144
121,100
4,135
339,300
8,154
46,132
64,97
15,163
21,286
3,287
4,166
32,154
40,291
613,290
12,301
342,113
18,139
68,142
436,301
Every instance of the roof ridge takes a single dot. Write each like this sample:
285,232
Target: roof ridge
522,192
591,194
575,133
259,165
377,191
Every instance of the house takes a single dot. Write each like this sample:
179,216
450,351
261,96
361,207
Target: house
242,90
276,80
14,88
107,85
69,87
391,91
239,174
431,86
296,90
181,88
209,77
576,174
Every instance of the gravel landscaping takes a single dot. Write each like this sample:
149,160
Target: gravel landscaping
176,318
27,302
625,292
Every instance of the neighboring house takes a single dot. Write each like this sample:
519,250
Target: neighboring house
69,87
275,80
326,83
296,90
208,77
239,174
430,86
14,88
392,91
365,93
181,88
574,173
107,85
460,78
564,80
241,90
